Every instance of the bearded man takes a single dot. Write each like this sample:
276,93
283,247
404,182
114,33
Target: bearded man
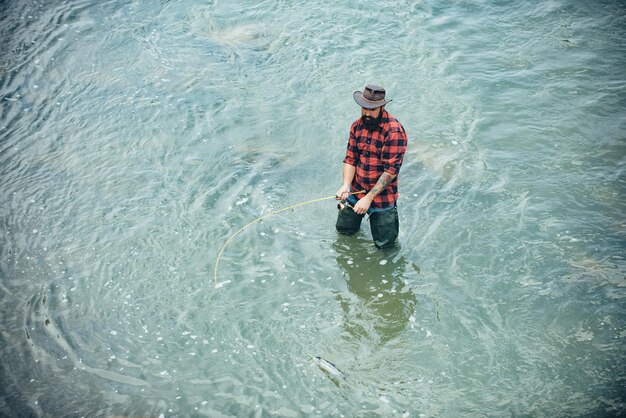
374,155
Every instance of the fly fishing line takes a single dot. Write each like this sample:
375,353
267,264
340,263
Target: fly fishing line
240,230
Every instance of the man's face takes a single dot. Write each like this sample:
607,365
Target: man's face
371,113
371,117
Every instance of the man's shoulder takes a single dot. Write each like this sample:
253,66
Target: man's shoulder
354,126
393,124
391,118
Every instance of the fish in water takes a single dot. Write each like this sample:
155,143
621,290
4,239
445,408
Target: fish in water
329,368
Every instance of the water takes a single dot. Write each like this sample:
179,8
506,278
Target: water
136,137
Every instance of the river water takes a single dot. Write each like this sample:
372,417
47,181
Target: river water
137,137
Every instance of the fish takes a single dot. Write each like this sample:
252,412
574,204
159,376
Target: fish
329,368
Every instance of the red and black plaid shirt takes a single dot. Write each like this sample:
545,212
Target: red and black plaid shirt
374,152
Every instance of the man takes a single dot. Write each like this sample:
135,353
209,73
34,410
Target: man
375,151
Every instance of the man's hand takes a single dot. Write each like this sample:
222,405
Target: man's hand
363,205
343,192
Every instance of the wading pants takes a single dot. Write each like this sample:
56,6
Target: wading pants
384,225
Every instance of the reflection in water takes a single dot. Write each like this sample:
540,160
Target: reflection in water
381,304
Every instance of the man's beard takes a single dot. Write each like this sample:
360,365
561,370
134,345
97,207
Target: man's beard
370,122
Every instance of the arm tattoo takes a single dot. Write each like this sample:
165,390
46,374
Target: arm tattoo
382,183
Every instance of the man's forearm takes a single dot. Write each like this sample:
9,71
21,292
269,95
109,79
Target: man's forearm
348,174
383,181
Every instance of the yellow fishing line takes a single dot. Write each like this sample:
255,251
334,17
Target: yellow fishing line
219,255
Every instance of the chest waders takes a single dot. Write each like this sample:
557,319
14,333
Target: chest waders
383,224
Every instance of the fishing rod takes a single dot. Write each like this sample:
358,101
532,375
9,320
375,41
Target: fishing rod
340,206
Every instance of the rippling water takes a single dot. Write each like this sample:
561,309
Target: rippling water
136,137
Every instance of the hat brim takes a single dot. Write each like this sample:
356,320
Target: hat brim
368,104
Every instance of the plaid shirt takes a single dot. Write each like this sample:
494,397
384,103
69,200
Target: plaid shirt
374,152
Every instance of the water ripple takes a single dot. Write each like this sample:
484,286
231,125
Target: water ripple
135,139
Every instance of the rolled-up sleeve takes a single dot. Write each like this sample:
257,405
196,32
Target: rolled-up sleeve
352,152
394,149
